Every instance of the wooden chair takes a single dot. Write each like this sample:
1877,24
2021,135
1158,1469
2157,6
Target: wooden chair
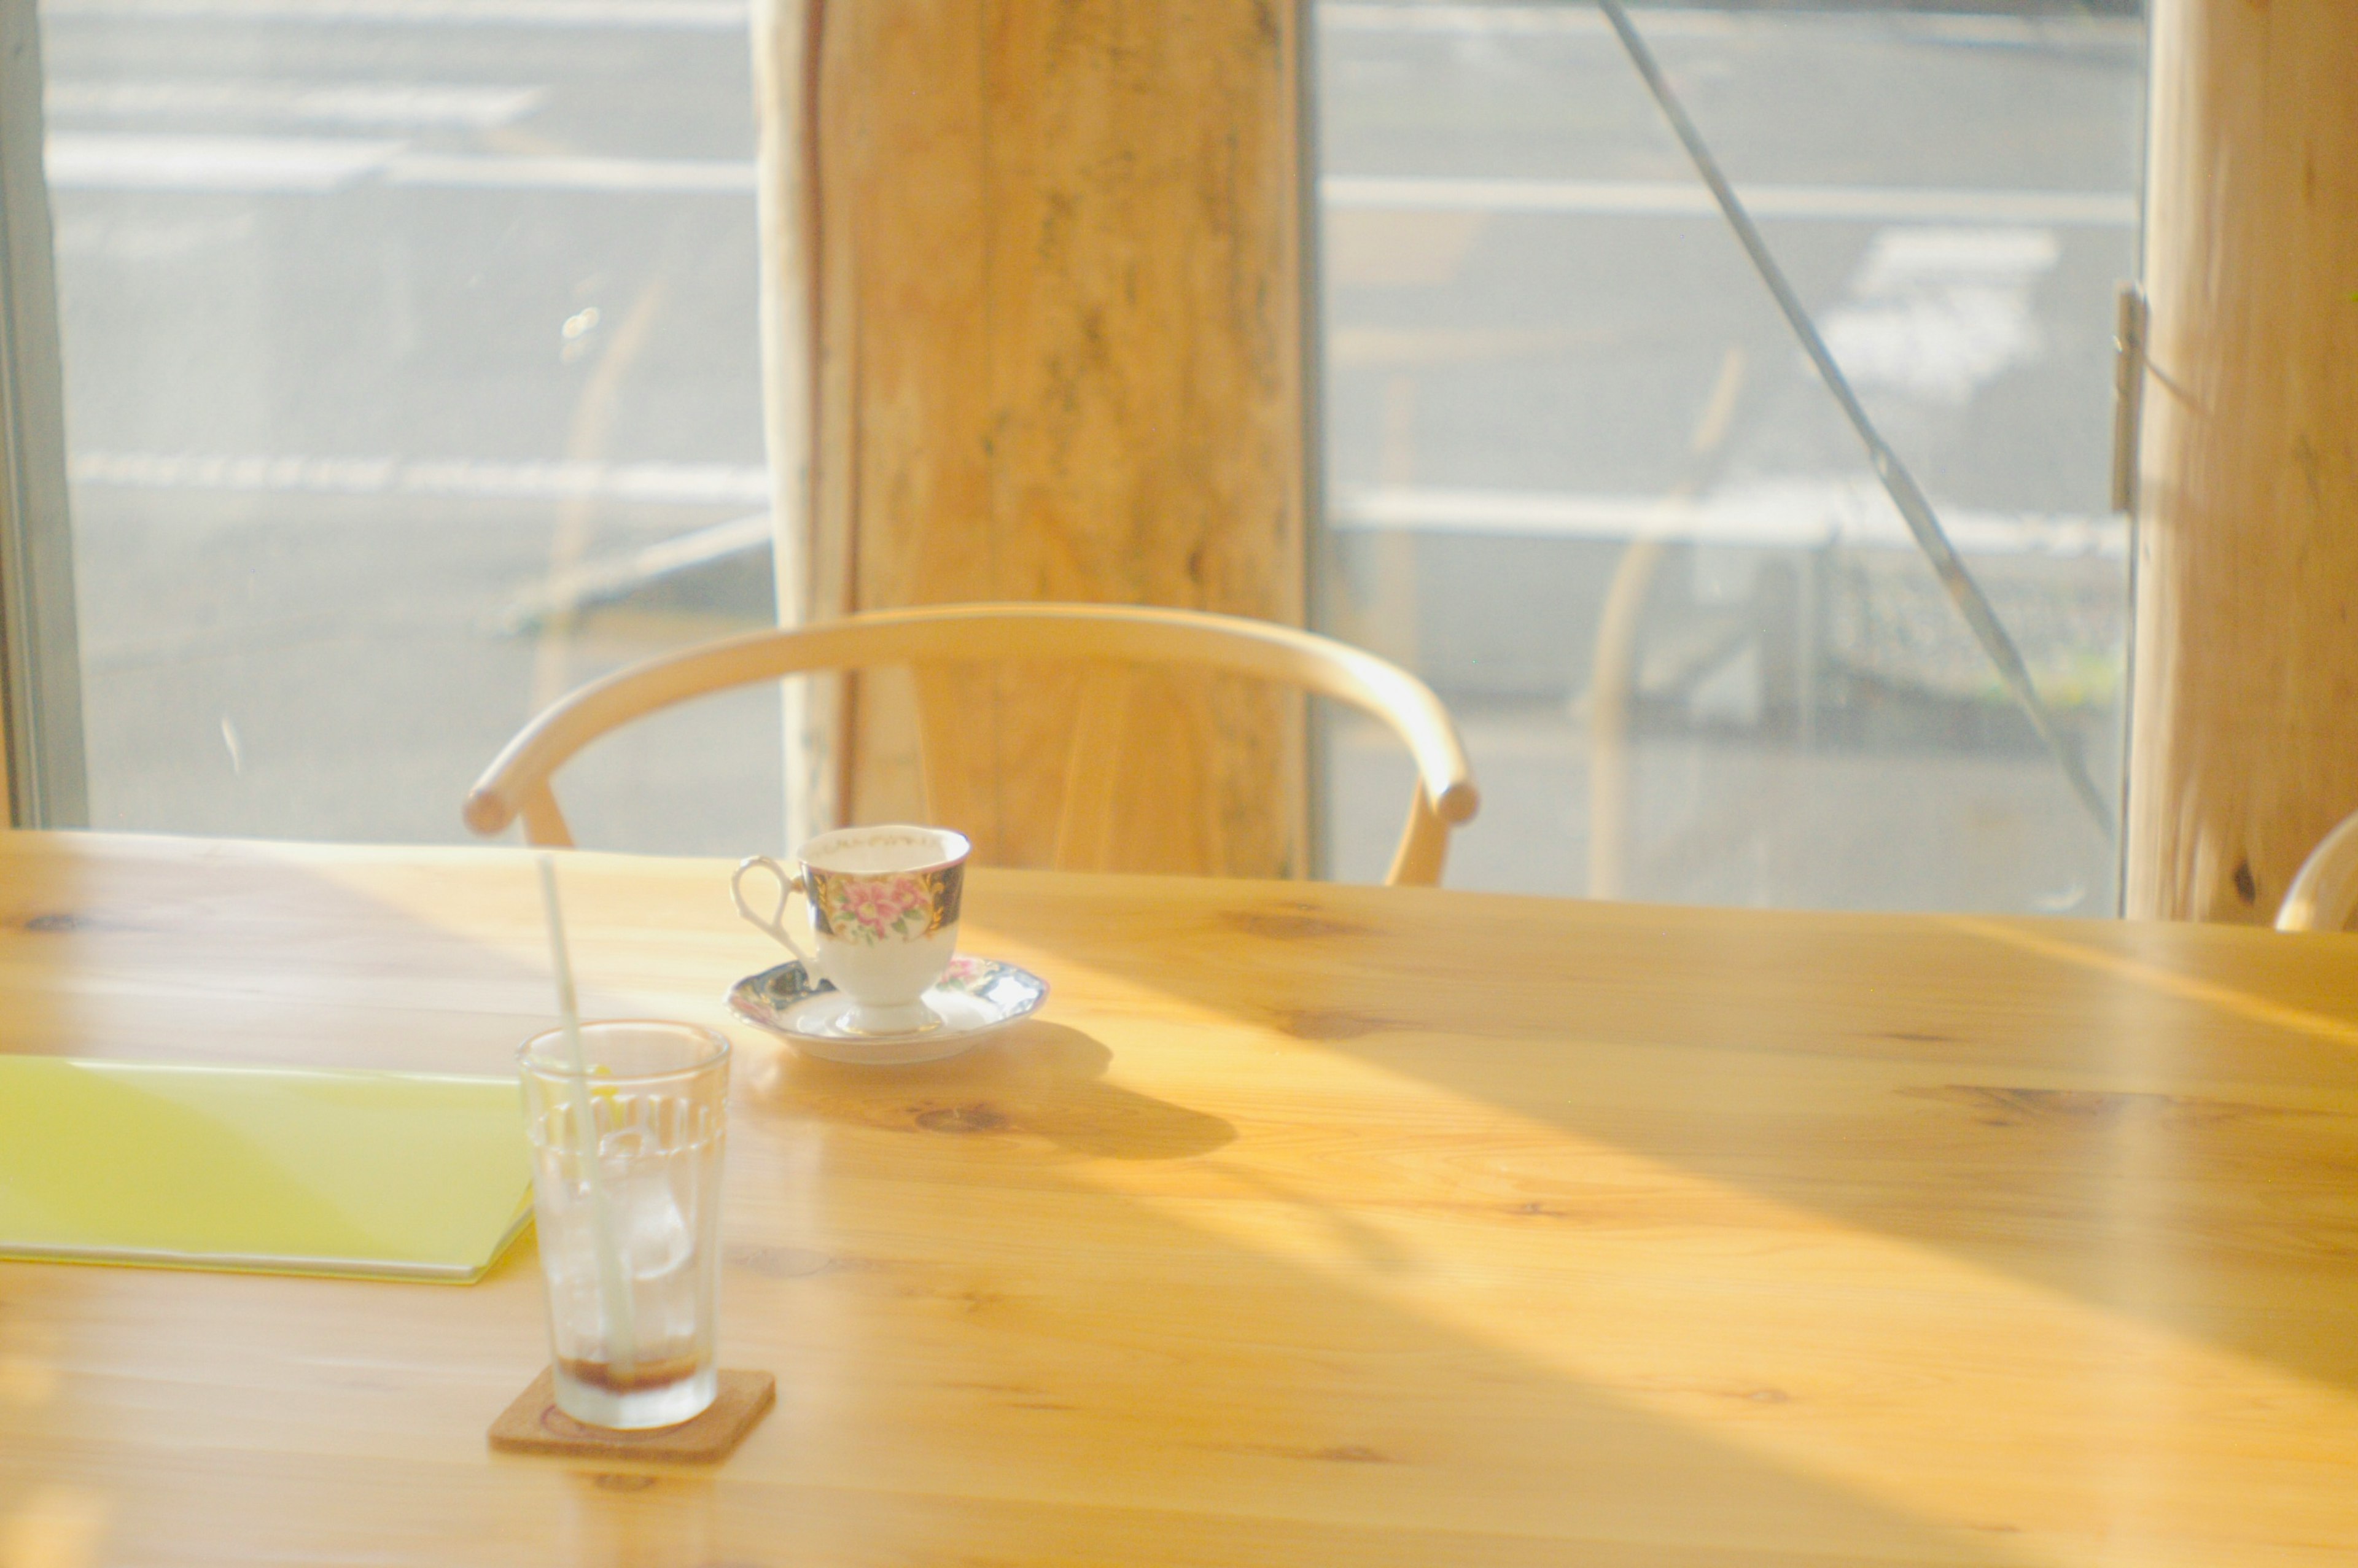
2324,891
518,781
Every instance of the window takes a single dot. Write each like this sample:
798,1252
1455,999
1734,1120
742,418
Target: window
1579,476
411,364
412,378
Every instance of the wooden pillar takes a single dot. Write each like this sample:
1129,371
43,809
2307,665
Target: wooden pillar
2244,726
1056,296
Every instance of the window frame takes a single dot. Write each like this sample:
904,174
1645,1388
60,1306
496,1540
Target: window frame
41,665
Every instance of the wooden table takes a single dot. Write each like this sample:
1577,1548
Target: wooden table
1307,1225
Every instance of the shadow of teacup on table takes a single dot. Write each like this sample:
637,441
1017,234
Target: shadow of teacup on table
1036,1082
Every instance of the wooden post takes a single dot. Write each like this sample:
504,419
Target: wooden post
1055,293
2244,727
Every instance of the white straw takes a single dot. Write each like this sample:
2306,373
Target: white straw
613,1291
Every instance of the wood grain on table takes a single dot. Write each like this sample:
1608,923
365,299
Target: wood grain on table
1306,1225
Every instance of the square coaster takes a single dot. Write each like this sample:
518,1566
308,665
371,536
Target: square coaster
534,1425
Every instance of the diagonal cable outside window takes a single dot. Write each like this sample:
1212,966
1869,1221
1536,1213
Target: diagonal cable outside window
1964,592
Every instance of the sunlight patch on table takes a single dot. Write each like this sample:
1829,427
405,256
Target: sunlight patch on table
1711,1306
53,1527
2244,1004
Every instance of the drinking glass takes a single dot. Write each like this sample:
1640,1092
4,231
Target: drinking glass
628,1205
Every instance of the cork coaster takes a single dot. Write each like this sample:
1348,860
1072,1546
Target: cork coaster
534,1425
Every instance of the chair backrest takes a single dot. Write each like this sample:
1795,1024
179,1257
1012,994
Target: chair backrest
2324,891
518,781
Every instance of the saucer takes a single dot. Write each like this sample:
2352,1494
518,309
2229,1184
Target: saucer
975,997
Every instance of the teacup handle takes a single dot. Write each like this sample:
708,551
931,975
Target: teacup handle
774,923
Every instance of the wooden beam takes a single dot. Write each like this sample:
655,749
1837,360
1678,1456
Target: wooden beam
2244,711
1057,311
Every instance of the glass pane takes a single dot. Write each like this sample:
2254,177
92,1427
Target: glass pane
411,378
1582,479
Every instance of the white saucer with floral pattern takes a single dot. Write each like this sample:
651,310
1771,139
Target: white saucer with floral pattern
975,998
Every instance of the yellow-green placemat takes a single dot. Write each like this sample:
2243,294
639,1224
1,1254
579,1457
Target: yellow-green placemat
386,1175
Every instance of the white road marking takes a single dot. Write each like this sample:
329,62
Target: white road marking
1938,314
651,16
613,175
79,160
247,164
482,478
1688,199
1803,512
396,104
1798,513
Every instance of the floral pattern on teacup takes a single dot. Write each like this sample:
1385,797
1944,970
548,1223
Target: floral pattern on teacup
890,906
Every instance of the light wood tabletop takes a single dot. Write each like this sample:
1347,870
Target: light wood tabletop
1304,1225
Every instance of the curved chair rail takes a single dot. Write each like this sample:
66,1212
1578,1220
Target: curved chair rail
516,783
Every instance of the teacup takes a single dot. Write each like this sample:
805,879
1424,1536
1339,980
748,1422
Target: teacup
884,918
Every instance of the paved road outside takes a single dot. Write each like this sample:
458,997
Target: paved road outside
382,315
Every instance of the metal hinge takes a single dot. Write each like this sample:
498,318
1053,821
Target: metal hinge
2128,393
